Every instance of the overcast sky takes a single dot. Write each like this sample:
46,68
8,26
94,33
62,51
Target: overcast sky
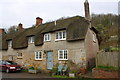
13,12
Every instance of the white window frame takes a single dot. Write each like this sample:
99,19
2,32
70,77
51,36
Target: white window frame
19,56
38,53
63,54
60,35
47,37
31,39
10,43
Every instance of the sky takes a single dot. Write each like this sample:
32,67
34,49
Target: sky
13,12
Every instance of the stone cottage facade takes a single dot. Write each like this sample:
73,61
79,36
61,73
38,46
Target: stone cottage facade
45,45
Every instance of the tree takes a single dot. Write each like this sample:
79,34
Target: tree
12,29
107,25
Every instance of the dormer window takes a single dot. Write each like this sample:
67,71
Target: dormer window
60,35
31,39
47,37
10,43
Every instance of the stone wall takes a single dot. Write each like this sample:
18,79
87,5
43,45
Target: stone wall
91,47
76,53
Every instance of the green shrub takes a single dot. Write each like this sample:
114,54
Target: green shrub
24,70
107,49
31,68
115,48
112,48
107,67
54,70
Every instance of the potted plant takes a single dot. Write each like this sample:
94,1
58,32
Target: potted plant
71,74
53,71
32,70
83,70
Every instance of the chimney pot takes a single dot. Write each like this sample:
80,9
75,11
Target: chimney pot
20,27
2,31
38,21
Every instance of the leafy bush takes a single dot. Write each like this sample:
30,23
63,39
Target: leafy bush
112,48
115,48
31,68
108,49
54,70
58,76
107,67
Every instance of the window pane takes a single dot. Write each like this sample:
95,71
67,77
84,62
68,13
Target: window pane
40,55
60,56
29,39
61,51
64,34
56,35
60,35
32,39
19,54
65,54
9,43
48,37
36,55
45,37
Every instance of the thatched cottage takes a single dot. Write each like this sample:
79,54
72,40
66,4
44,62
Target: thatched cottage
45,45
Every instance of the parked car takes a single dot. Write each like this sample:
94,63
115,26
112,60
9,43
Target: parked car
9,66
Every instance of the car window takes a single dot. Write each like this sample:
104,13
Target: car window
3,62
11,63
0,62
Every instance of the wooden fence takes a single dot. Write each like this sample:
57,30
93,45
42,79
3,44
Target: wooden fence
111,59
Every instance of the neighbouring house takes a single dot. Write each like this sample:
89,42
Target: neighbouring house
47,44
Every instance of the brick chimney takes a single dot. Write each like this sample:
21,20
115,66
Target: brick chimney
38,21
2,31
20,27
87,11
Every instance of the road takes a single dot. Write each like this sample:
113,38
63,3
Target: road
24,75
27,76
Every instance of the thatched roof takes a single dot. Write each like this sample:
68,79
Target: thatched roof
76,28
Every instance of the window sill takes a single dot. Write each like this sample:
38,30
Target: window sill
46,41
60,40
19,57
32,43
62,59
38,59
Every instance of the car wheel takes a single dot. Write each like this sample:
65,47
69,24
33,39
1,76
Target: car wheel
7,70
